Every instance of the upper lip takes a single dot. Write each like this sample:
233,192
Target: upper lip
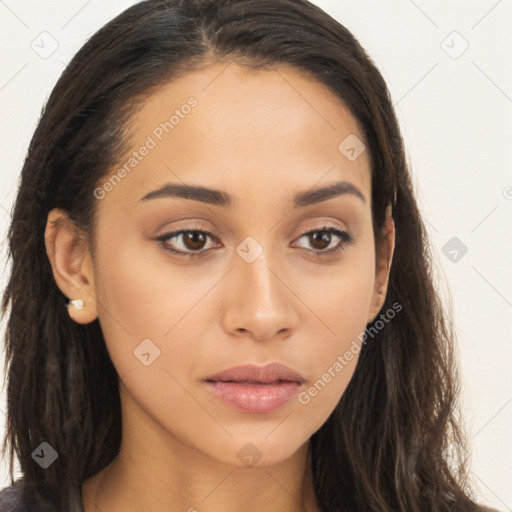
252,373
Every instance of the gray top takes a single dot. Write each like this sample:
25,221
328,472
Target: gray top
11,500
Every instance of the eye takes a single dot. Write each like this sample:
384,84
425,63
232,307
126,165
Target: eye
322,240
190,242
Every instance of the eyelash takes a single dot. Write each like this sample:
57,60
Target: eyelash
345,240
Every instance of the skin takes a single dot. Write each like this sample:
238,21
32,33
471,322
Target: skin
262,137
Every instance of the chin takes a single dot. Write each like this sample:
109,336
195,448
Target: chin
262,451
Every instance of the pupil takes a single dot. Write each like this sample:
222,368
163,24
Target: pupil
194,240
324,237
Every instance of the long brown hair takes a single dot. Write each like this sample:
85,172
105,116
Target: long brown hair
382,447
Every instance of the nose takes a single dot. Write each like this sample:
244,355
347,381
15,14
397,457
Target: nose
259,301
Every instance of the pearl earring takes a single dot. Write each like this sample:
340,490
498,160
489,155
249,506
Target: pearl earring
77,303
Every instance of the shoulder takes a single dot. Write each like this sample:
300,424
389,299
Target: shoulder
10,498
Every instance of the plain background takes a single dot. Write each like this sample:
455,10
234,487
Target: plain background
448,66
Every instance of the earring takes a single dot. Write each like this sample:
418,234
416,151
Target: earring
77,303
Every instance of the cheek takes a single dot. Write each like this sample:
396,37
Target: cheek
137,300
341,295
139,287
340,302
149,324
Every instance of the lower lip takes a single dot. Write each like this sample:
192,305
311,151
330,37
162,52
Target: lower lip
254,397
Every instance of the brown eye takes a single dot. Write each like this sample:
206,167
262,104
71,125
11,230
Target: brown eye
320,240
189,243
194,240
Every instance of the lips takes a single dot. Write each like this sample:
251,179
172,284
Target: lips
272,373
255,389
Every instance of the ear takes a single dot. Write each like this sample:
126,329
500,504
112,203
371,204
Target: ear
383,266
70,258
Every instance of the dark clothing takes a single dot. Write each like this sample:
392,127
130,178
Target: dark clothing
11,500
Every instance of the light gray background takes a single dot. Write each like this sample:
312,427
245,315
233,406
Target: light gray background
455,109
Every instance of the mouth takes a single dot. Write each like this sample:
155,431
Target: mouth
272,373
252,382
256,389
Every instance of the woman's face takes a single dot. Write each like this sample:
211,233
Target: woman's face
246,286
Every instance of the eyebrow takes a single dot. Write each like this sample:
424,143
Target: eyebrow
220,198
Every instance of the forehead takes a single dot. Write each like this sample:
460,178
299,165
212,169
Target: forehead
225,126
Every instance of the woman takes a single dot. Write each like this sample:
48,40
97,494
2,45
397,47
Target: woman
221,295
